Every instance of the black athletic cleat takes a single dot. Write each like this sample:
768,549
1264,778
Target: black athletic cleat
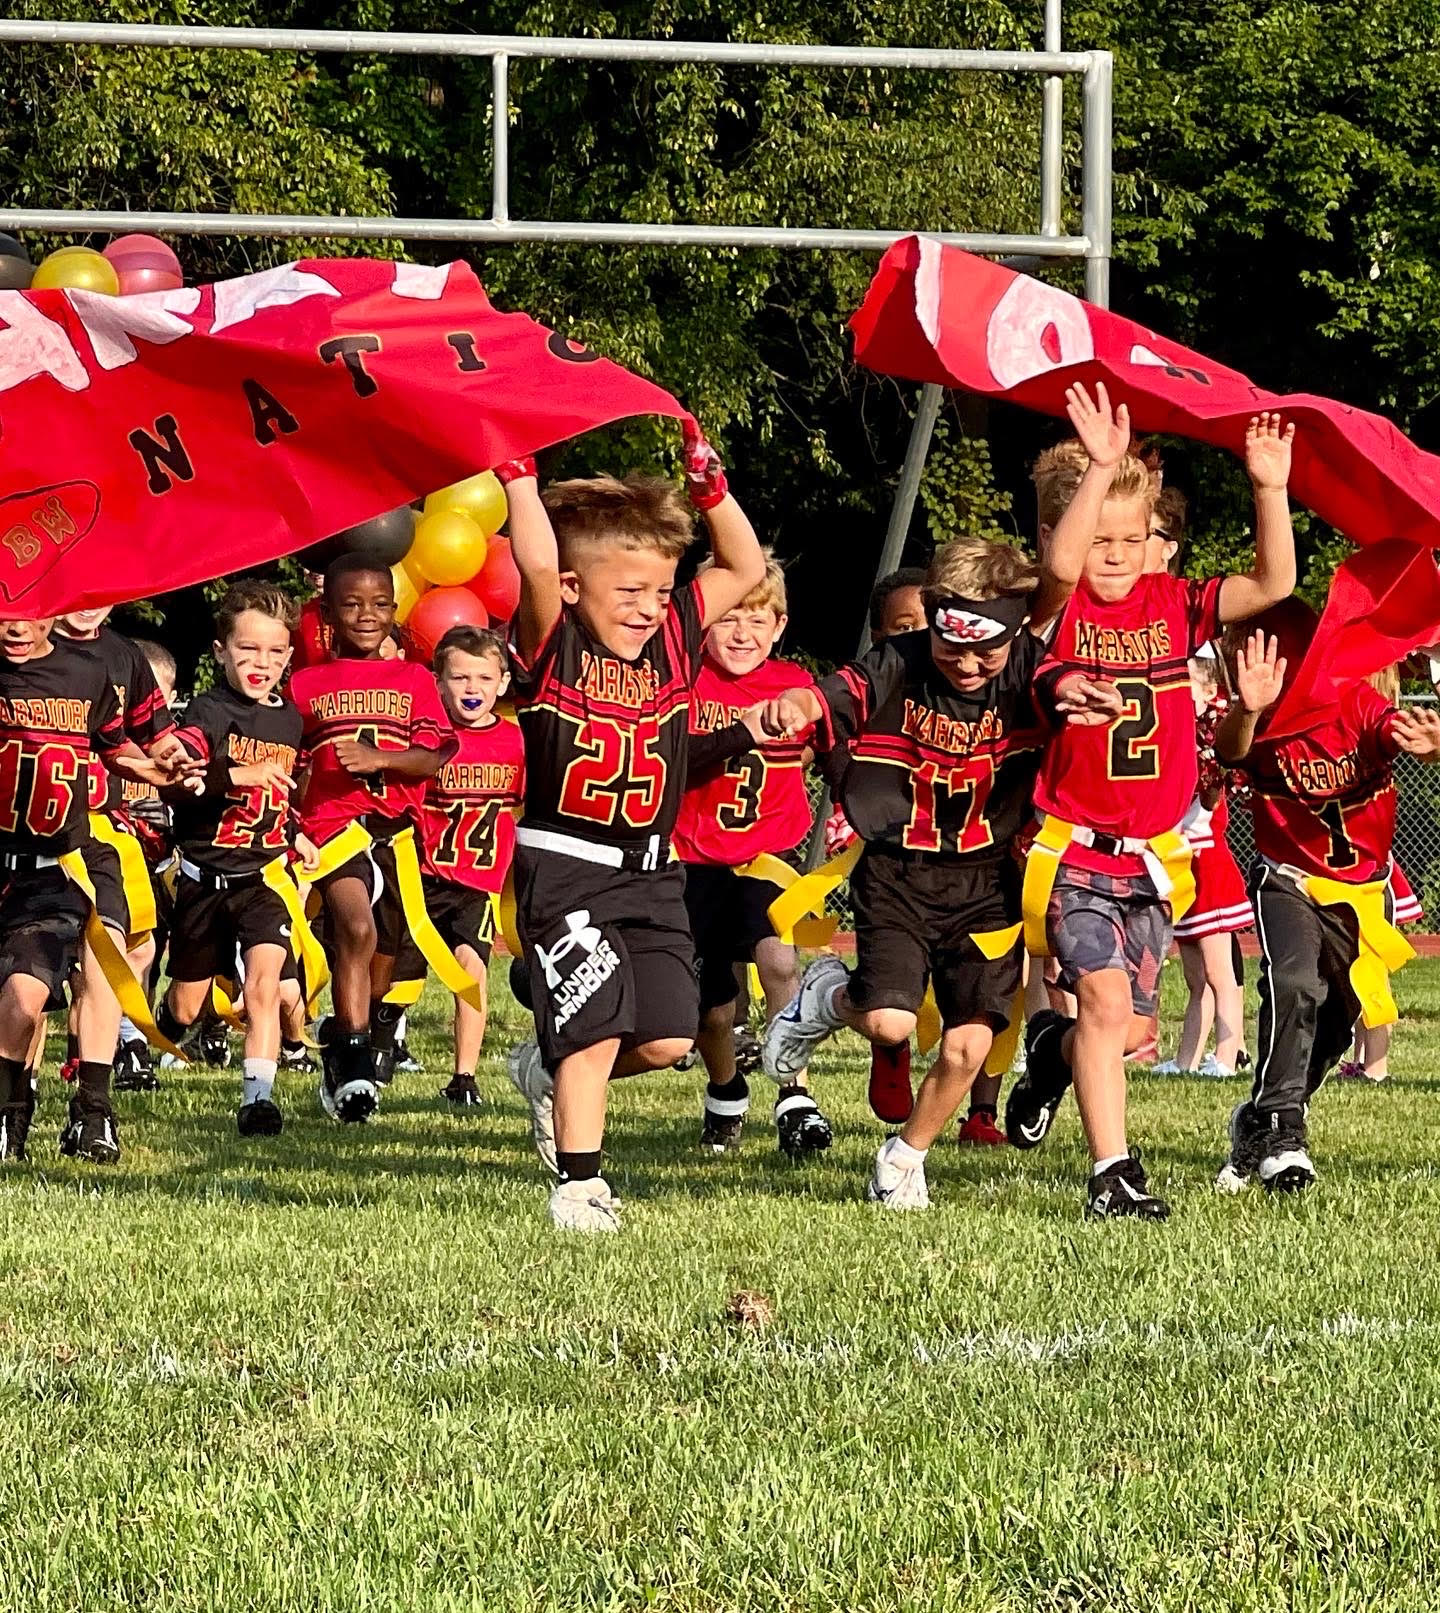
1121,1190
348,1092
132,1070
405,1060
720,1134
15,1121
385,1065
90,1134
214,1044
686,1061
800,1128
1286,1166
1249,1136
260,1119
1030,1108
297,1060
461,1093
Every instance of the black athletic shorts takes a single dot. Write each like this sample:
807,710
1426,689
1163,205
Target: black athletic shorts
102,863
914,916
210,926
464,918
608,953
42,921
728,916
375,869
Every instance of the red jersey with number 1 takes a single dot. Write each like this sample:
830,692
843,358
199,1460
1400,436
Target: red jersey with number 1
1325,800
1135,776
392,705
470,807
755,802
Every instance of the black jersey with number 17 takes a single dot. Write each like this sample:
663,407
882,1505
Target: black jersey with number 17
931,768
605,738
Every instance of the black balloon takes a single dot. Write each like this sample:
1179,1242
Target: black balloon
386,538
16,274
11,248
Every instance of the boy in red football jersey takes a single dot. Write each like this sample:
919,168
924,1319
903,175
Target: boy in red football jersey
944,741
1323,804
469,830
742,800
375,732
605,650
1119,774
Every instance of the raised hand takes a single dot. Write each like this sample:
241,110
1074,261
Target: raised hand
1417,732
1259,672
1105,434
704,473
1088,702
1268,442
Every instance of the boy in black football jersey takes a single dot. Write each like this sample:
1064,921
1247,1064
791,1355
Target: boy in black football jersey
604,655
57,709
234,831
944,745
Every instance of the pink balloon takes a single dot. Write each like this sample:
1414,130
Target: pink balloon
497,583
142,263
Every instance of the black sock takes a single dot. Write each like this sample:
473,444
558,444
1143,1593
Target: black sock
93,1085
577,1167
167,1024
793,1091
72,1046
735,1090
14,1079
291,1046
384,1020
983,1109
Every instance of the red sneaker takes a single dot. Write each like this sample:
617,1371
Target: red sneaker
980,1131
890,1094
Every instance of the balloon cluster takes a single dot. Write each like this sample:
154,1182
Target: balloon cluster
450,566
130,265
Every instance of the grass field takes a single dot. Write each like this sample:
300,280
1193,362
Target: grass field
356,1369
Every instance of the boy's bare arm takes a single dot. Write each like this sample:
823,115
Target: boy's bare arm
739,566
1105,435
537,556
1272,578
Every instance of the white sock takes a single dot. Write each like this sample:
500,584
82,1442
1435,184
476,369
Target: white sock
900,1154
128,1032
259,1080
1105,1164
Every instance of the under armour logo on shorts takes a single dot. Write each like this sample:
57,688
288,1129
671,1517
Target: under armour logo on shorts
579,932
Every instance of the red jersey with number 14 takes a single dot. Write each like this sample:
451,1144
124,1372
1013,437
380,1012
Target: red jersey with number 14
1135,776
392,705
755,802
1325,800
470,807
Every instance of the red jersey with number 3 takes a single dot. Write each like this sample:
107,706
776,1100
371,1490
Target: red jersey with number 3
755,802
1325,800
606,738
470,807
1135,776
240,830
392,705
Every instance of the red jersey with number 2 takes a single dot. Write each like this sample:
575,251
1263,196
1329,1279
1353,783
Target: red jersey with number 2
1325,800
392,705
755,802
470,807
1135,776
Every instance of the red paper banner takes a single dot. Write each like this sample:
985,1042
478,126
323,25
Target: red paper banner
153,441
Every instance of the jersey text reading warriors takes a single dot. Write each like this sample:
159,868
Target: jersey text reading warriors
57,714
392,705
469,807
755,802
1137,775
932,769
605,739
1324,801
240,831
142,706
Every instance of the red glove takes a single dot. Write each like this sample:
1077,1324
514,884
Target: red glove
513,469
837,833
704,474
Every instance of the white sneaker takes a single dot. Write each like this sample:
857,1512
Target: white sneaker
895,1188
1213,1070
535,1084
805,1021
587,1206
1166,1067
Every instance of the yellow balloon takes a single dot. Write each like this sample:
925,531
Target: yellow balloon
407,591
76,268
449,548
481,498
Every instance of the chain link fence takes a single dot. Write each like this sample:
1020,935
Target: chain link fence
1417,834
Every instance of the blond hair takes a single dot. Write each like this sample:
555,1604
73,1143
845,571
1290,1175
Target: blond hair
1057,472
768,593
1386,683
640,512
977,568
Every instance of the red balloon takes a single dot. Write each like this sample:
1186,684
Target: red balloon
141,263
497,583
438,611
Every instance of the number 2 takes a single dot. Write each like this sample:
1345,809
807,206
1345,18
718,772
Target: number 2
1132,755
251,804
